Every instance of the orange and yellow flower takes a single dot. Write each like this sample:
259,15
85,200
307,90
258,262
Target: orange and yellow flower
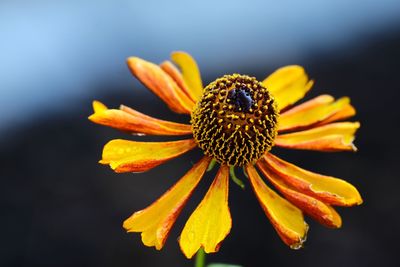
235,120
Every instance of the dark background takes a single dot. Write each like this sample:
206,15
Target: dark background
60,208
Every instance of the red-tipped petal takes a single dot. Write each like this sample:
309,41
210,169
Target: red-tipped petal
160,83
133,156
286,218
319,110
328,189
176,75
315,208
130,120
337,136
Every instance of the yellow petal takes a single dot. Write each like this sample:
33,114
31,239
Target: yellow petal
316,209
133,156
130,120
190,72
211,222
318,110
288,85
156,221
328,189
98,106
286,218
176,75
330,137
161,84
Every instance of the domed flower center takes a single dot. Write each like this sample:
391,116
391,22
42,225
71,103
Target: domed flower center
235,121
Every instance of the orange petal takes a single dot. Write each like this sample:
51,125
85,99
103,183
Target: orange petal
286,218
347,112
175,74
288,85
316,209
337,136
160,83
321,110
127,119
132,156
156,221
328,189
211,222
190,72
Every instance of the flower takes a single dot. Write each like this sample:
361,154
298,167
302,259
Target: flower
235,120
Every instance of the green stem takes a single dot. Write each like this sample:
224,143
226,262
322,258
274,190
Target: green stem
200,258
234,177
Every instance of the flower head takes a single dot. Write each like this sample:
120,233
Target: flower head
235,120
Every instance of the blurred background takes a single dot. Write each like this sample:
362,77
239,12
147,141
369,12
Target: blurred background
59,207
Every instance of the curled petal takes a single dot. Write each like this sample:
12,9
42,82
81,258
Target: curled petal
176,75
328,189
337,136
286,218
156,221
319,110
190,72
133,156
288,85
211,222
130,120
160,83
315,208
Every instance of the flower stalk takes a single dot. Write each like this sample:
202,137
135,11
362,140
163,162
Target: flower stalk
200,260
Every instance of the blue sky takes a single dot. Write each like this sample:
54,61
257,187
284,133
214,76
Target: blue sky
55,52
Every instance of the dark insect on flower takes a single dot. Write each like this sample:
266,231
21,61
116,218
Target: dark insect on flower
241,99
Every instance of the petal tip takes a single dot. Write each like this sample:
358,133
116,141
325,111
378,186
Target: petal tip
188,254
354,148
179,52
131,60
336,224
98,106
126,225
299,243
294,67
358,200
355,200
92,117
134,64
102,161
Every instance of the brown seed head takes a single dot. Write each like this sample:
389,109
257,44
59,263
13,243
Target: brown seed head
235,121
